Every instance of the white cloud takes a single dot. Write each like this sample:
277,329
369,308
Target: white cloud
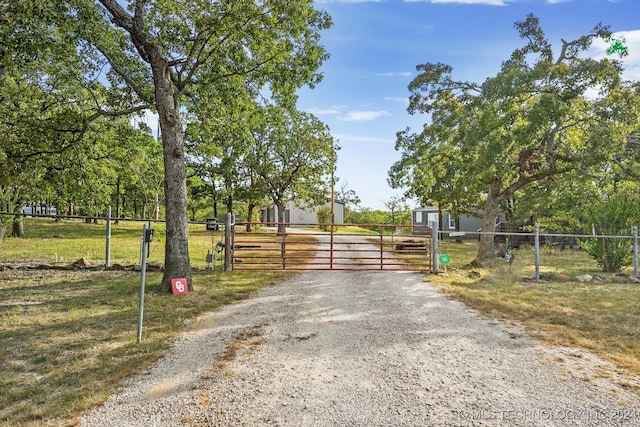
150,119
394,74
400,99
334,109
363,116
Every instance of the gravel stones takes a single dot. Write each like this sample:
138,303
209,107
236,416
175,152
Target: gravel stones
361,349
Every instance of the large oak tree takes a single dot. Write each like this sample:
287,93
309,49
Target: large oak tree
157,52
542,115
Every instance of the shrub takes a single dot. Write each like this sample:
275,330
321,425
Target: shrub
610,217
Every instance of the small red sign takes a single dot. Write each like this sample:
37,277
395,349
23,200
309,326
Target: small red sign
179,286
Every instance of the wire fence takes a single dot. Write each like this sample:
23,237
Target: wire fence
544,252
115,242
59,241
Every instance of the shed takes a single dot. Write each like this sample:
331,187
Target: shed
302,215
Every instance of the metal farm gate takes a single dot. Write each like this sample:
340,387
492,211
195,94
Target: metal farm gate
326,247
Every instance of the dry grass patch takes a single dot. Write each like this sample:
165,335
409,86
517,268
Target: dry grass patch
603,317
68,338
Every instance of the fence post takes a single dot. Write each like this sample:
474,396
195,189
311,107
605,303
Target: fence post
635,251
228,244
536,241
107,257
143,275
434,248
381,249
283,246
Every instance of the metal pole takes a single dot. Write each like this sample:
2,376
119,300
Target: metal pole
635,251
381,251
107,262
143,274
283,247
228,244
434,247
331,247
536,244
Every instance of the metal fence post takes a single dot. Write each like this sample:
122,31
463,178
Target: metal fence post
143,275
228,244
635,251
536,241
107,262
434,248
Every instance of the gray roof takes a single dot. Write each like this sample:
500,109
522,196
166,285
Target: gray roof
426,209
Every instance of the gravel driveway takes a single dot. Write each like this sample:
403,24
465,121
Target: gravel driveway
363,349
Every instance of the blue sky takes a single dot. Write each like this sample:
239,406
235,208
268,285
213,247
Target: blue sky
376,45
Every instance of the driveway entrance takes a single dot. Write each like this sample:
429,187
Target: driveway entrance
325,247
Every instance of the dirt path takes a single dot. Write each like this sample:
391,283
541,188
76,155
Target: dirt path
361,349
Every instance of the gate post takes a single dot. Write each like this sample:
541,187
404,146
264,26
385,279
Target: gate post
283,247
228,242
107,256
381,248
434,248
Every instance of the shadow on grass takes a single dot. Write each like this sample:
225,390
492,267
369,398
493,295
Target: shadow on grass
68,339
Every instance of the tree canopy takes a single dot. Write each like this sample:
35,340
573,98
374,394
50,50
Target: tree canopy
543,115
156,54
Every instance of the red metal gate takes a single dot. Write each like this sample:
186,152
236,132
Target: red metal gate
323,247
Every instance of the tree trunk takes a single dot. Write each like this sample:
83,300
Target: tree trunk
230,204
215,198
456,218
250,208
3,230
282,227
118,213
156,207
176,255
17,229
486,248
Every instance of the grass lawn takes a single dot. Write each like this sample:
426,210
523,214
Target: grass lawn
602,316
68,338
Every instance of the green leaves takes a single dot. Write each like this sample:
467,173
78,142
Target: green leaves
617,46
612,216
542,115
293,155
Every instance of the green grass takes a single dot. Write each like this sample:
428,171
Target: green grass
50,242
69,338
602,316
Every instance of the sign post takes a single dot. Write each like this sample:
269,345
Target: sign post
147,236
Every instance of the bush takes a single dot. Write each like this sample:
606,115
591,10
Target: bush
610,217
324,217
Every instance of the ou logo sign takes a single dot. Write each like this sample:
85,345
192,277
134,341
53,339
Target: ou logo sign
179,286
